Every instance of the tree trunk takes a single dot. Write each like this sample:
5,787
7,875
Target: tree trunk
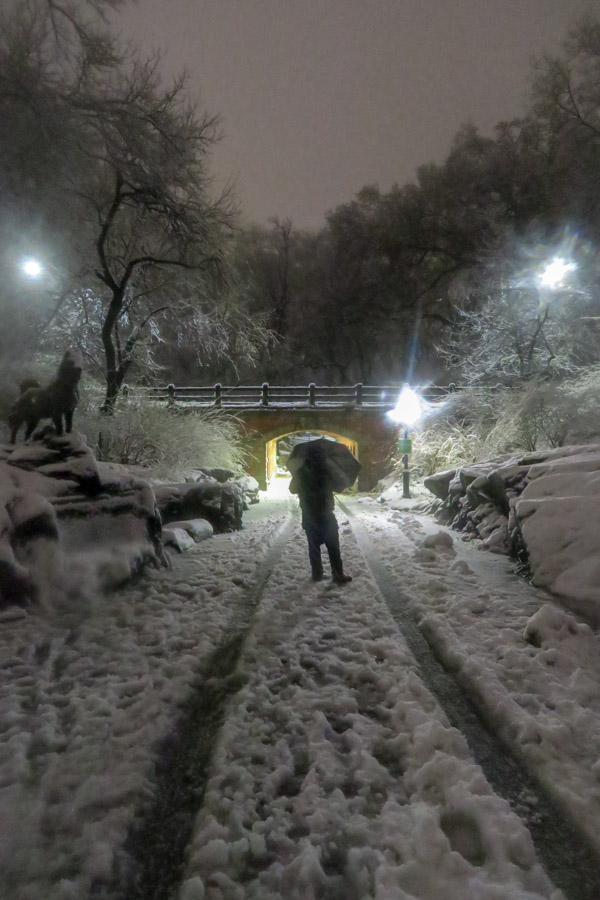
114,377
113,385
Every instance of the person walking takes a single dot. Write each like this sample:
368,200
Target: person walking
313,485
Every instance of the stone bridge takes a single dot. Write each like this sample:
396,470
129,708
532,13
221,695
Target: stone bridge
369,434
355,415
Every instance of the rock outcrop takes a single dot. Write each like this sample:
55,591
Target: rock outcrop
221,504
248,484
183,535
66,521
542,508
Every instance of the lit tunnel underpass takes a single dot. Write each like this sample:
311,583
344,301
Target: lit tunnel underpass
278,449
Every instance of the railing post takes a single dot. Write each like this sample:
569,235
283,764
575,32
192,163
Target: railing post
359,394
218,394
312,398
265,394
171,395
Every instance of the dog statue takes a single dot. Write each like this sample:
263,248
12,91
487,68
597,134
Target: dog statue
57,401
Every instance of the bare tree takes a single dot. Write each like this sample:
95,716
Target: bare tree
158,226
142,232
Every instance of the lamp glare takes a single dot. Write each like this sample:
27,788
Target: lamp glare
409,408
555,272
31,268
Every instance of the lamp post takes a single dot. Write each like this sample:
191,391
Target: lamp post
406,446
408,410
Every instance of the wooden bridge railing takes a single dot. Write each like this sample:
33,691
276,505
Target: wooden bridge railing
271,395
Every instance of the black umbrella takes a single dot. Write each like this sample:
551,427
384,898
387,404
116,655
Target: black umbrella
341,465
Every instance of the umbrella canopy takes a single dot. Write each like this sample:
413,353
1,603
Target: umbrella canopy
340,464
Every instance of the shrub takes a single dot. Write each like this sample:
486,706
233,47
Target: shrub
582,394
442,447
454,434
535,414
171,441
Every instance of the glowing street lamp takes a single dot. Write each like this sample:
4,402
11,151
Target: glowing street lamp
408,410
555,273
31,268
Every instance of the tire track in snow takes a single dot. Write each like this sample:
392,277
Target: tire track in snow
155,847
572,864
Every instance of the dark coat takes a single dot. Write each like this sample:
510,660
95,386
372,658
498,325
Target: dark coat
313,486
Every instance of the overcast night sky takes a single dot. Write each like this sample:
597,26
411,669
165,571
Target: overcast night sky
320,97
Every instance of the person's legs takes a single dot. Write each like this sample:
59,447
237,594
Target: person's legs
332,542
313,537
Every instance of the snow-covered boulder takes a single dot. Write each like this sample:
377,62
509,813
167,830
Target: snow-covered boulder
30,564
221,504
67,522
550,626
198,529
441,541
66,458
177,538
249,486
478,499
439,482
541,507
219,473
489,487
558,515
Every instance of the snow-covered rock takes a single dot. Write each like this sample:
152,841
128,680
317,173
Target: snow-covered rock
221,504
542,507
439,482
549,627
177,538
249,486
66,520
219,473
198,529
441,540
558,514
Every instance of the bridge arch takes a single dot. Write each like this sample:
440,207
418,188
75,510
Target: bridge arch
371,433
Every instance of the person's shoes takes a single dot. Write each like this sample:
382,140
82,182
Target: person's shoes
317,576
342,579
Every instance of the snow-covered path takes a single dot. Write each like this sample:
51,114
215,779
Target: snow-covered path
335,772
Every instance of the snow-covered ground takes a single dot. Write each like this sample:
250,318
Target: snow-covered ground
86,697
336,772
532,666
